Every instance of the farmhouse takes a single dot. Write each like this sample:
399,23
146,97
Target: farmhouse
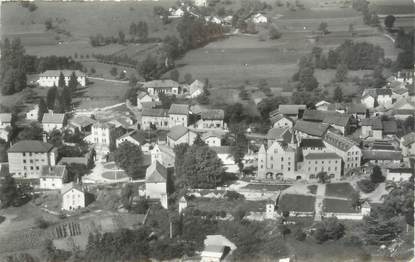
52,121
26,157
372,128
73,197
211,119
178,115
135,137
50,78
259,19
168,87
329,163
341,122
154,118
156,180
344,147
51,177
180,134
212,138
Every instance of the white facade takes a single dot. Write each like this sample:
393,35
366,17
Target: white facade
163,154
259,19
368,101
177,120
49,127
398,175
277,160
28,164
200,3
51,183
156,190
73,199
213,141
130,139
144,99
33,114
49,81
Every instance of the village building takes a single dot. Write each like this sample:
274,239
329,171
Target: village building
134,137
5,120
156,180
154,118
217,248
213,19
53,121
403,109
322,105
389,128
280,134
307,129
278,160
399,93
200,3
73,197
407,144
225,155
312,145
358,111
315,163
81,123
259,19
372,97
341,122
33,114
179,135
100,136
346,148
179,12
26,158
145,100
50,78
211,119
371,128
195,89
399,174
212,138
178,115
51,177
279,120
167,87
384,158
163,154
292,111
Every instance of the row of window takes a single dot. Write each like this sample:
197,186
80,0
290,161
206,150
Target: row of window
322,169
31,161
322,162
282,158
31,168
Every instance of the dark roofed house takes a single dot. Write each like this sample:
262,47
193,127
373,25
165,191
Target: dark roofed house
82,123
372,127
314,115
382,157
154,118
279,134
168,87
357,110
408,144
318,156
339,121
135,137
51,177
310,129
180,134
211,119
179,109
33,146
156,181
312,143
292,111
178,115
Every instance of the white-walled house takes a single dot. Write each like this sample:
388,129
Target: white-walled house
399,174
200,3
73,197
142,98
212,138
381,96
211,119
51,177
372,128
259,19
179,135
178,115
168,87
5,120
407,144
156,180
33,114
224,153
195,89
52,121
280,120
50,78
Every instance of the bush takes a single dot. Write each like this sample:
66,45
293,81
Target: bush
42,223
274,33
233,195
366,185
2,218
300,235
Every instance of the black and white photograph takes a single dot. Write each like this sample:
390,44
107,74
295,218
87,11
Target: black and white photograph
207,130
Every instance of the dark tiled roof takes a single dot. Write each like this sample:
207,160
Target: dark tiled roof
314,115
310,142
156,173
311,128
34,146
52,171
375,123
136,135
390,127
154,112
213,114
73,160
290,109
357,109
317,156
69,186
179,109
277,133
338,141
381,155
222,149
337,119
82,121
177,132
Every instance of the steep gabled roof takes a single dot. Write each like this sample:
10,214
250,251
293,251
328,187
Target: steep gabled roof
357,109
34,146
311,128
311,143
67,187
278,133
53,118
136,135
408,139
375,123
390,127
314,115
338,141
156,173
177,132
82,121
337,119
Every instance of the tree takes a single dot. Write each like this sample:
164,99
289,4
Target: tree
300,235
142,30
284,230
32,132
376,176
66,99
379,231
121,37
61,80
338,94
133,29
322,177
148,69
188,78
51,96
8,191
73,82
43,108
378,78
201,167
75,172
269,104
274,33
48,24
389,21
341,72
366,185
240,143
328,229
243,94
323,27
92,70
174,75
129,157
198,141
114,71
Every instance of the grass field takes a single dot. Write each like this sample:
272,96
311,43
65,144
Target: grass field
338,206
299,203
208,204
266,187
339,190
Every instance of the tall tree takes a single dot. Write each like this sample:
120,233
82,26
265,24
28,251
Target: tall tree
51,96
148,69
389,21
376,176
73,81
130,158
61,80
341,72
43,108
8,191
338,94
32,132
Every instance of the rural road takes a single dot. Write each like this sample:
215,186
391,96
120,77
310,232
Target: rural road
108,80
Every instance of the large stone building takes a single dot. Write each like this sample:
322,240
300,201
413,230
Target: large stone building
315,163
346,148
50,78
26,158
73,197
168,87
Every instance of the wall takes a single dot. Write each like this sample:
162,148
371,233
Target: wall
155,190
